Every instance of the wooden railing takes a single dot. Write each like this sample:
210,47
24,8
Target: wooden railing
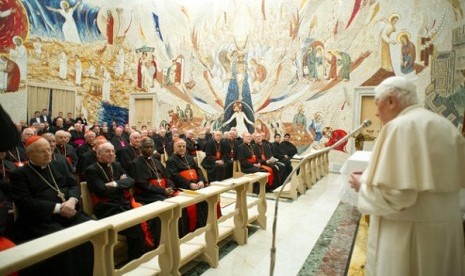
173,252
308,170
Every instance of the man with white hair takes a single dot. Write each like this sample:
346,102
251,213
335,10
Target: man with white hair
127,154
191,143
217,161
161,141
411,188
50,137
231,145
62,147
109,186
250,160
186,174
118,140
47,198
89,137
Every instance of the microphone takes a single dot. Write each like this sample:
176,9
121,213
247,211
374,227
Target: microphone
366,123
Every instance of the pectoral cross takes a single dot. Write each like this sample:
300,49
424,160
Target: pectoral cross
61,196
191,174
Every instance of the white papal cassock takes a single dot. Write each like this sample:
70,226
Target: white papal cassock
411,190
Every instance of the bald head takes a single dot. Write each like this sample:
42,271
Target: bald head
61,137
134,139
217,135
180,147
247,137
106,153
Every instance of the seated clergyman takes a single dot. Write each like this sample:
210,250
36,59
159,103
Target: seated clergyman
186,174
46,196
151,177
217,161
109,187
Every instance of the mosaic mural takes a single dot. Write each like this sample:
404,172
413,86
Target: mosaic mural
271,66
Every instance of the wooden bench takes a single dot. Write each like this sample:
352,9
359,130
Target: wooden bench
173,252
121,248
29,253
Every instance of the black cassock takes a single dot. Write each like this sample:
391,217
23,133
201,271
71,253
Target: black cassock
279,169
250,154
280,155
84,161
151,179
83,149
217,151
69,153
109,201
5,169
288,148
119,142
183,170
125,156
231,146
35,202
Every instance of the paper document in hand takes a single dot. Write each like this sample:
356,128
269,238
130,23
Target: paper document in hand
189,192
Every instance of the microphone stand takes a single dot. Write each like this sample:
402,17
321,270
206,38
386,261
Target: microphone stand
365,124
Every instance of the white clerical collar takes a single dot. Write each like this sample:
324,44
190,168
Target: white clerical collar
42,167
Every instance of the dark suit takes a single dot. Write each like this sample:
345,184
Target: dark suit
35,120
46,119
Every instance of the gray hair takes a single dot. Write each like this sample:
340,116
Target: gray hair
401,88
103,146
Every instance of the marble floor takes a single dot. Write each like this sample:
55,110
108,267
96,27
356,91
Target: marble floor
299,227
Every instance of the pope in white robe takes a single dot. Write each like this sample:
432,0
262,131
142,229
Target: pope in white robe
411,188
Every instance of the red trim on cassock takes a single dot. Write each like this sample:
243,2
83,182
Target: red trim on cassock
270,176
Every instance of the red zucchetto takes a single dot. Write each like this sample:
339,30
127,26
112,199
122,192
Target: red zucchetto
31,140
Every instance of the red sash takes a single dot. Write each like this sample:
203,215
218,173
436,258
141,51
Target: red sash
270,176
145,228
96,199
191,175
4,245
158,183
252,159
